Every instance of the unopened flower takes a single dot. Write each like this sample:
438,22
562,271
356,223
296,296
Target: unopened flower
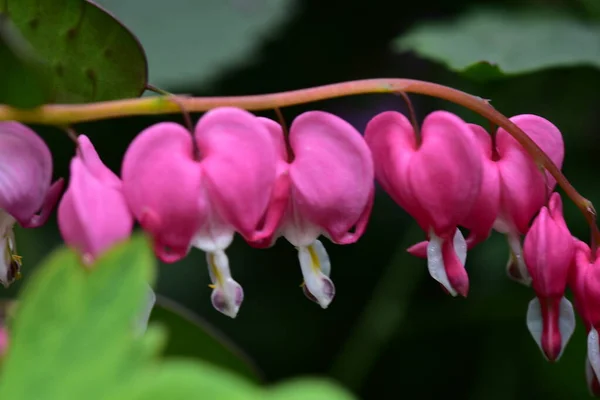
436,181
329,192
548,252
26,195
93,214
198,189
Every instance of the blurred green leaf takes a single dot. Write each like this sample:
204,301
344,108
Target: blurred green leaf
184,380
91,55
190,336
189,42
20,71
72,336
487,44
309,389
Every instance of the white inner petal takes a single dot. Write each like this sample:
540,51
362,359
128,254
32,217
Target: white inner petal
593,348
316,267
225,288
296,229
435,261
566,323
514,242
460,246
10,262
535,324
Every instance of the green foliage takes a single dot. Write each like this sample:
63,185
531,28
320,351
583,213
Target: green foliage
73,336
88,54
485,44
20,71
192,41
191,336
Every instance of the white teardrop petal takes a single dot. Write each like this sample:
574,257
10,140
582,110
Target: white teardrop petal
535,324
435,262
312,259
566,323
460,247
593,348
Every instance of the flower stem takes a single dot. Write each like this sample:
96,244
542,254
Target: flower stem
62,114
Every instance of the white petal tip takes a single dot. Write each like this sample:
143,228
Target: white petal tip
228,299
325,293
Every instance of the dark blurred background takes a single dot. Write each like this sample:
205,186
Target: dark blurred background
391,332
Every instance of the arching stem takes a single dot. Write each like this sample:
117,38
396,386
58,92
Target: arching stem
59,114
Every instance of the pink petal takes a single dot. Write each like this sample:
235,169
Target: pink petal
445,176
25,171
162,183
332,174
94,164
92,216
524,186
548,251
239,164
580,267
50,200
486,207
391,138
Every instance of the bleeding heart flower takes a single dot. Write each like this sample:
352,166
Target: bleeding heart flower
329,192
436,181
93,214
583,263
512,189
548,252
26,195
199,189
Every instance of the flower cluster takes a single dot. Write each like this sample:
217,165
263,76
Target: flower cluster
239,173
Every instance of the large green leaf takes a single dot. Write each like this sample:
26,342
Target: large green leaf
192,41
489,43
21,73
72,336
190,336
90,55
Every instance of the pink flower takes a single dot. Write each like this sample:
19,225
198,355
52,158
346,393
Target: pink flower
583,263
26,195
329,192
513,189
524,188
93,214
198,189
436,181
548,252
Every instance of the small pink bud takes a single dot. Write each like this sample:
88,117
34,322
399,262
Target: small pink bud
93,215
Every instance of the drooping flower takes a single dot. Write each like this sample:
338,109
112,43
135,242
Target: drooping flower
199,189
329,192
436,181
26,195
513,188
93,214
583,262
548,252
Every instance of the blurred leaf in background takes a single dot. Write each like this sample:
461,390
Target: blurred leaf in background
21,72
488,43
88,54
191,41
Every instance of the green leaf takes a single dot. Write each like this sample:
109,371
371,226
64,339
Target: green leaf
190,336
309,389
91,55
73,334
21,73
184,380
487,44
192,41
